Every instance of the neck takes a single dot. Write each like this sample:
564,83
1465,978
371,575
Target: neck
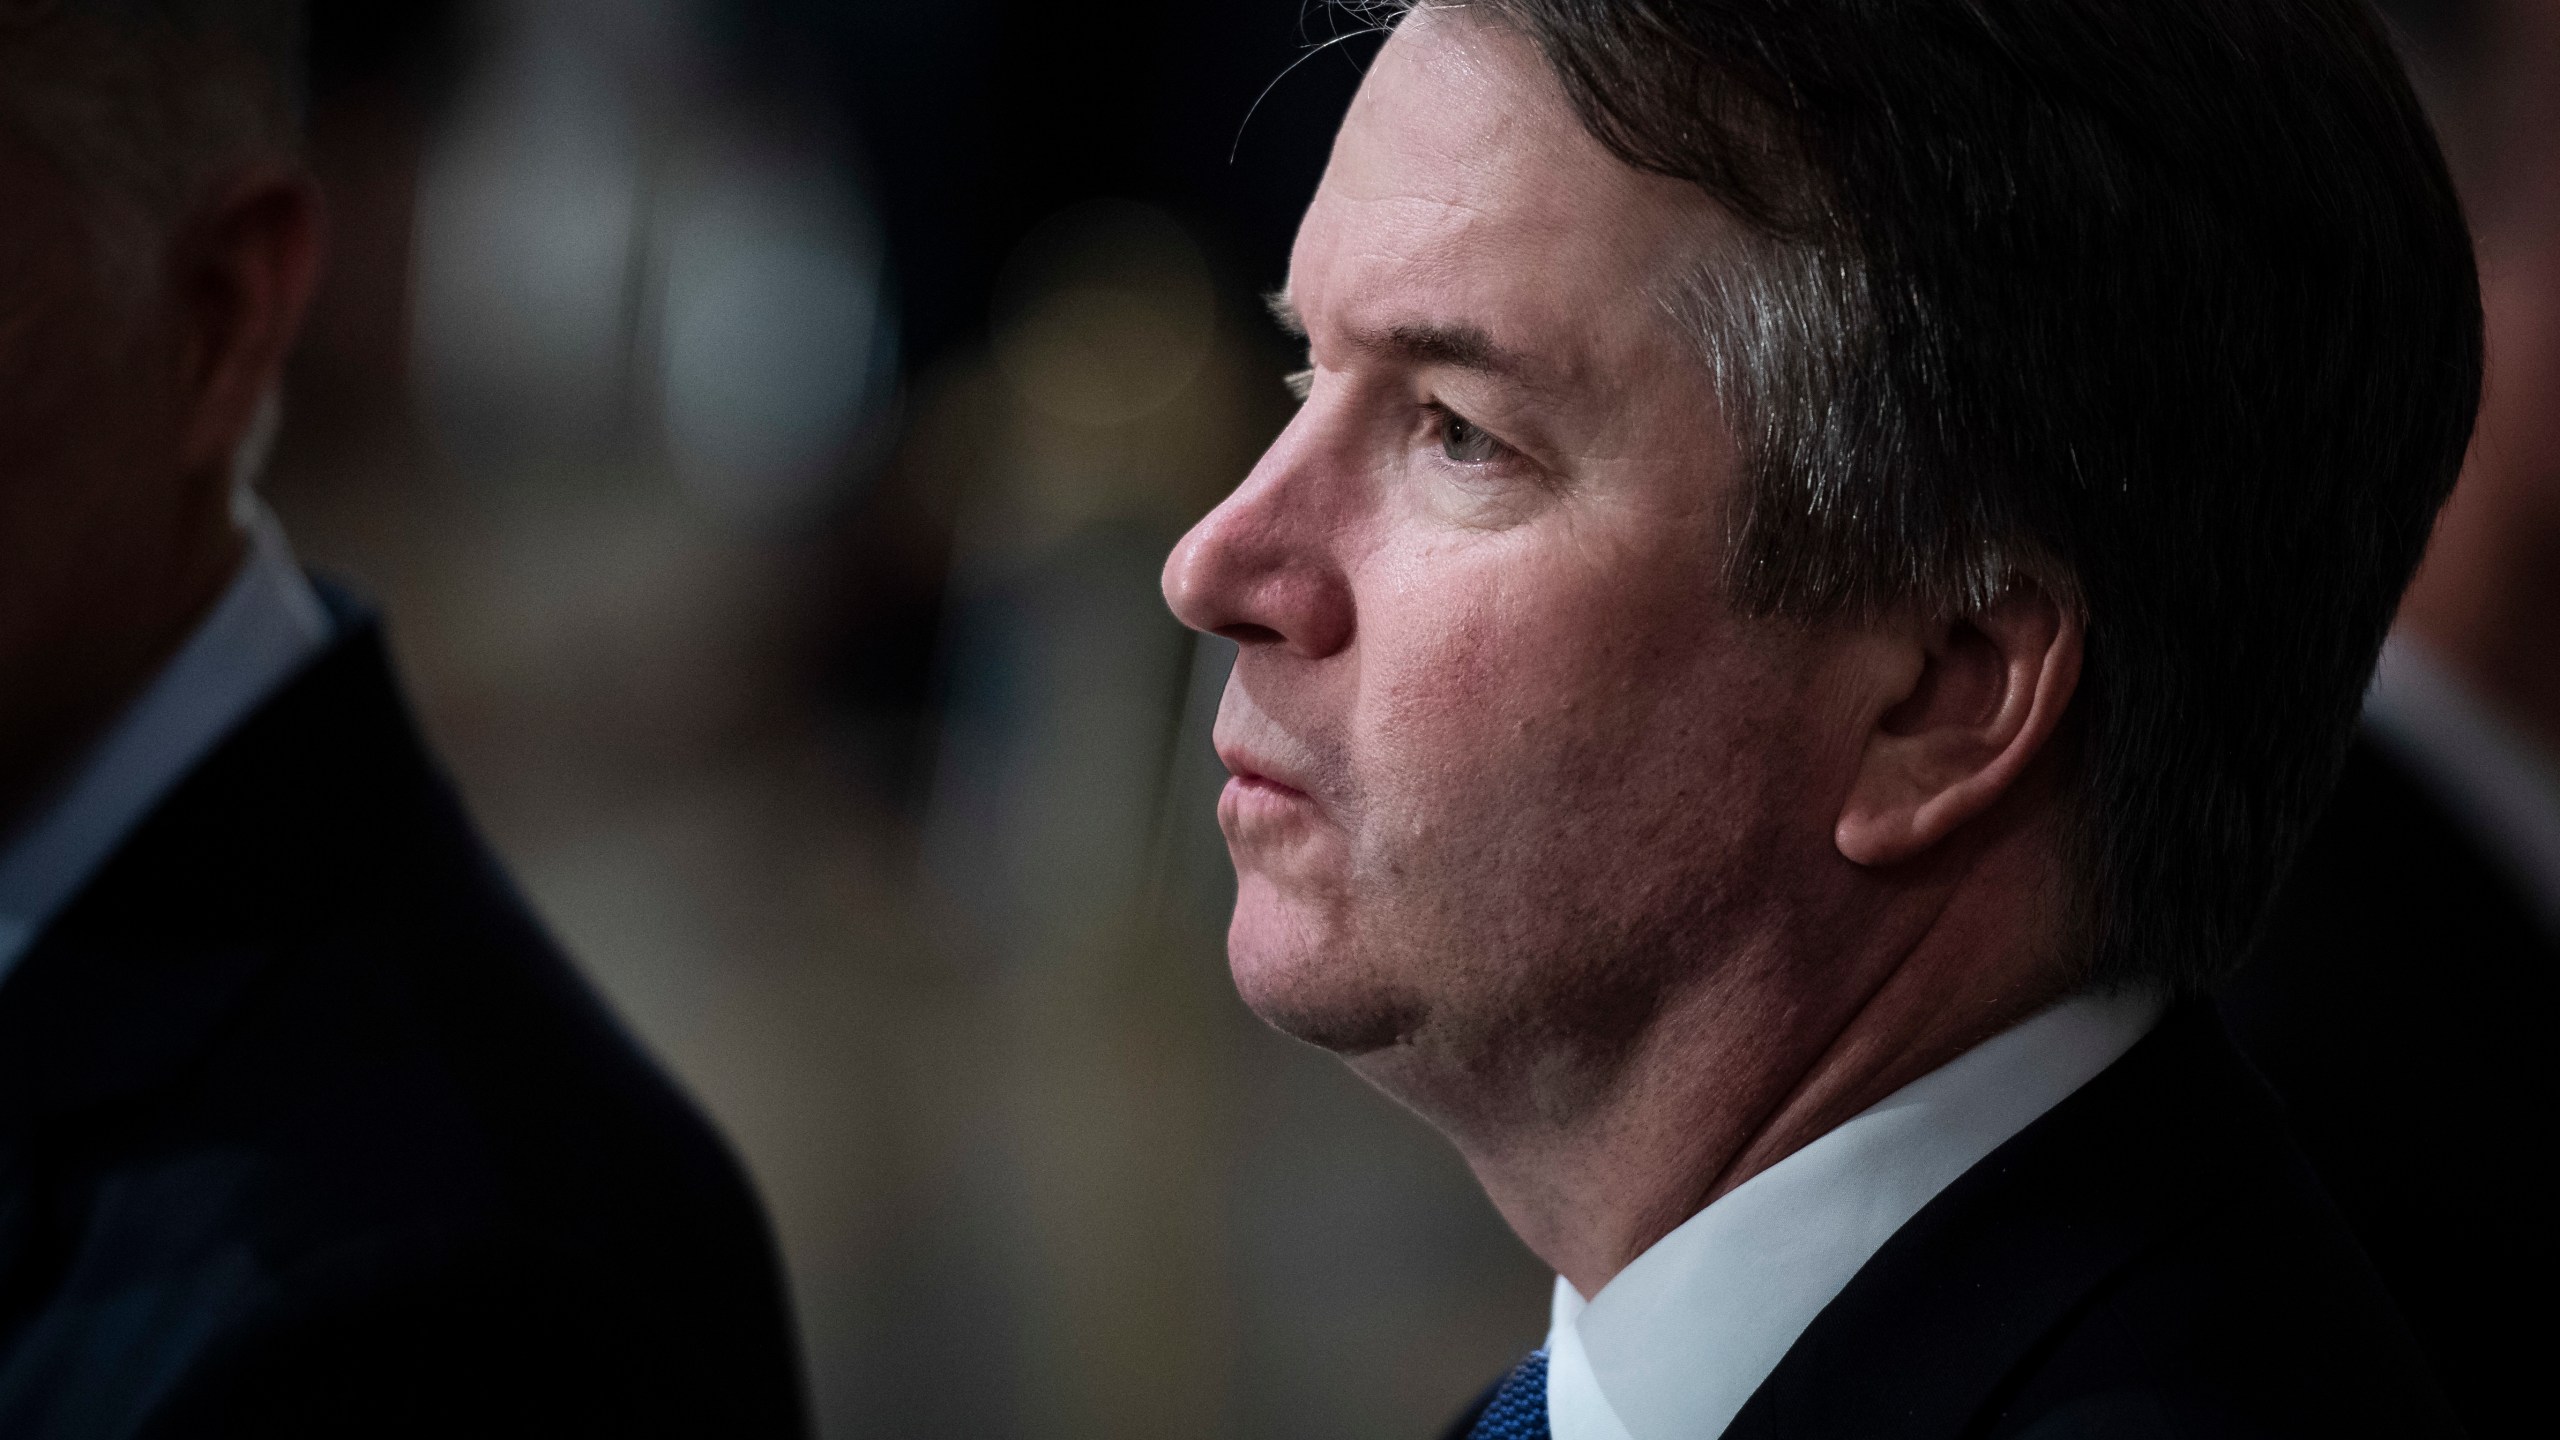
1743,1071
95,647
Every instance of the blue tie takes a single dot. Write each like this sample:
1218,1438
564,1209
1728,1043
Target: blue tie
1517,1411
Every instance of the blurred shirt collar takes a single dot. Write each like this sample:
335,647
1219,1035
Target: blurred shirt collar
268,624
2502,787
1672,1347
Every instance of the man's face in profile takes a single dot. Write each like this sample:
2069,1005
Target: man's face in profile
1504,754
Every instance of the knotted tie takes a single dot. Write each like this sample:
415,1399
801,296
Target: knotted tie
1517,1411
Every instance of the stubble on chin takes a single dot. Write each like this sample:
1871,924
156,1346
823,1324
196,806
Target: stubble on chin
1305,977
1535,1041
1365,1026
1482,1033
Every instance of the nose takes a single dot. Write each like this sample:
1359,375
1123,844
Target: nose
1262,568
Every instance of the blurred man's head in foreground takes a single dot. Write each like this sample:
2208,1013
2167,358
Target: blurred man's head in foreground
160,242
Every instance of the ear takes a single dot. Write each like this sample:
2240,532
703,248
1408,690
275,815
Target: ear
1970,703
245,268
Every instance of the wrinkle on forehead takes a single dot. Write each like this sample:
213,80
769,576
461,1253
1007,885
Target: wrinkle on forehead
1470,105
1465,190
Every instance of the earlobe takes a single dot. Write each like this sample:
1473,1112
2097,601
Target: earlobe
1959,717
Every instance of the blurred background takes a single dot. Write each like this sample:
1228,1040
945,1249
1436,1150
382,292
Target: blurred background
763,421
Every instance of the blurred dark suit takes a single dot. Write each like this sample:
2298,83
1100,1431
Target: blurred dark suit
307,1128
2403,1005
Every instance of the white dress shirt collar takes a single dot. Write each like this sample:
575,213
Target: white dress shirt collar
268,624
1672,1347
2503,787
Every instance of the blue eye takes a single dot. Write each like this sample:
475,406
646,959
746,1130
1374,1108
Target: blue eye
1464,442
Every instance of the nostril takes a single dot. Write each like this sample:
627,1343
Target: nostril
1244,634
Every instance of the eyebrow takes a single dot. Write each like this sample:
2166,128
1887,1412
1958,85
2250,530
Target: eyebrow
1462,347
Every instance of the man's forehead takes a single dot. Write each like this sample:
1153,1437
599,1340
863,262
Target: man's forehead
1468,217
1460,126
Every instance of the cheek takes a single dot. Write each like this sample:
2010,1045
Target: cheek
1491,682
1550,738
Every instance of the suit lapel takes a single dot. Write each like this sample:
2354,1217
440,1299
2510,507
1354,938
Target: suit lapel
1919,1343
140,973
101,1016
139,970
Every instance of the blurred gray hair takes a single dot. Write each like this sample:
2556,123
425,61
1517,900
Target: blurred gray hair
146,103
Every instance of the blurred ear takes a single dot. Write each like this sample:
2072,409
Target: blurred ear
1970,703
244,272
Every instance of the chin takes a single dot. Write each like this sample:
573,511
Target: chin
1294,969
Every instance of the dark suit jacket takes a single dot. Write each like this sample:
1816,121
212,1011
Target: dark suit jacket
2151,1258
2403,1006
306,1128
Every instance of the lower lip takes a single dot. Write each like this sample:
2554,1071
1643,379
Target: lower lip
1251,796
